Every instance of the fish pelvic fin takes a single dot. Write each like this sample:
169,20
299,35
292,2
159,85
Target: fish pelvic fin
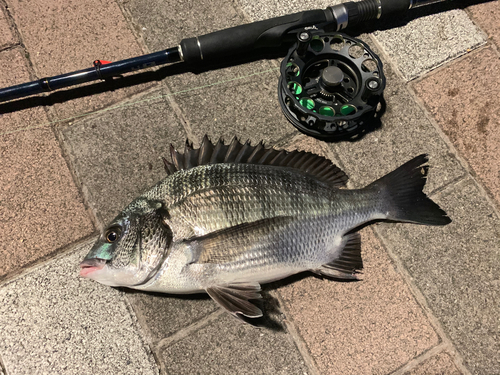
403,198
236,297
349,263
244,153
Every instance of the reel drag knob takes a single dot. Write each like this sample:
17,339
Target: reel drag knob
331,77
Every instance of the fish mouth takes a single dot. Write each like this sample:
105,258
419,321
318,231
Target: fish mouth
91,265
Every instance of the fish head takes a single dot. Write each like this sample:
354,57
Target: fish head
132,247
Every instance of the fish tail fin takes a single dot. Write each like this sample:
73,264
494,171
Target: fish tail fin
404,200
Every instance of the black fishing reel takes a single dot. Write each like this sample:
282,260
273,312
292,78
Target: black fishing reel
331,85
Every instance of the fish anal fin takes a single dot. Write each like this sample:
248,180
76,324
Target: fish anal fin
349,263
236,297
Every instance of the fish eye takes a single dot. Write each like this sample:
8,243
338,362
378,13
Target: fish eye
112,234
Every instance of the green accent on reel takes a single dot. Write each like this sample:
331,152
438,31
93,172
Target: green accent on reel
307,103
293,68
327,111
317,44
295,88
347,109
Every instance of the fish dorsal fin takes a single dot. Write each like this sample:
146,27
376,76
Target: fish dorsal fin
236,297
237,152
349,263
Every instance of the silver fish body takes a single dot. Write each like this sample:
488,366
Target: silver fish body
229,218
297,224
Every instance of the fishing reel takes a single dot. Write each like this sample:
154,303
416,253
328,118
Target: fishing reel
331,85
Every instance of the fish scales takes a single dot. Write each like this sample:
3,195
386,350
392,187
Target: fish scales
222,195
228,218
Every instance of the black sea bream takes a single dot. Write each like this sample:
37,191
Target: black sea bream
229,218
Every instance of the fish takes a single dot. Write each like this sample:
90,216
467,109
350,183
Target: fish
228,218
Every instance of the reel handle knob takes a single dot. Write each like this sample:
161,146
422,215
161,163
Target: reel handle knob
303,39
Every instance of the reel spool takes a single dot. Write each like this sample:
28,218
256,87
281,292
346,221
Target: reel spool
331,85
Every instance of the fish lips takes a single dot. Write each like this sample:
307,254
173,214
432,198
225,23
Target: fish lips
89,266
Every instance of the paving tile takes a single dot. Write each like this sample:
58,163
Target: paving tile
427,42
6,34
464,99
162,315
208,83
369,327
303,142
13,70
85,31
227,346
248,109
486,15
420,45
40,207
117,154
440,364
163,26
55,322
405,133
261,9
456,267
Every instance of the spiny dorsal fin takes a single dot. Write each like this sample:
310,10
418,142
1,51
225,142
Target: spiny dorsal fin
237,152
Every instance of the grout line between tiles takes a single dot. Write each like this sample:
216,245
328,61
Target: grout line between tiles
415,362
418,295
82,197
57,254
186,331
18,39
139,328
422,301
409,86
9,47
473,20
297,338
469,172
133,27
448,63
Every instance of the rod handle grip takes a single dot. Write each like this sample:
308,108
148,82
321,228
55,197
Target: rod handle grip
248,38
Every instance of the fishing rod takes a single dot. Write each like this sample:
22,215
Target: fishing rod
330,84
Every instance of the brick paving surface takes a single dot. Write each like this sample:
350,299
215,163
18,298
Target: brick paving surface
464,99
63,36
428,302
440,364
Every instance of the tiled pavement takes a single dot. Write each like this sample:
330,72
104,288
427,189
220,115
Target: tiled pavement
429,300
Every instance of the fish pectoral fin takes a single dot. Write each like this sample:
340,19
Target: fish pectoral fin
349,264
230,244
235,298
